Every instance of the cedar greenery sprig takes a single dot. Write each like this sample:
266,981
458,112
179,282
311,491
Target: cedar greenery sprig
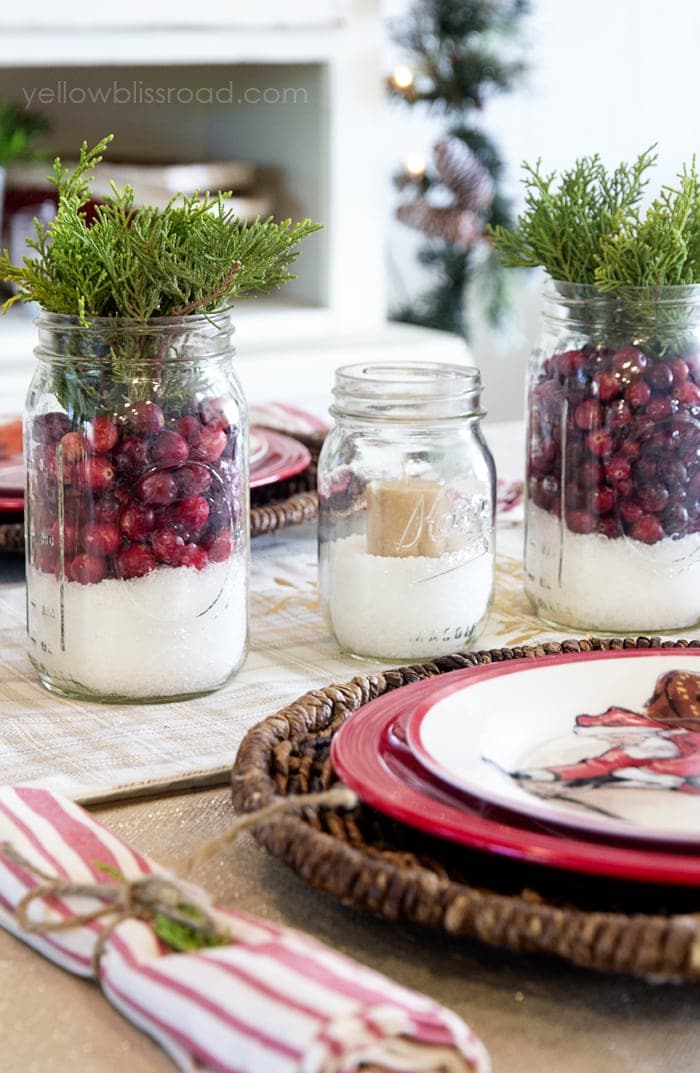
565,226
193,256
660,249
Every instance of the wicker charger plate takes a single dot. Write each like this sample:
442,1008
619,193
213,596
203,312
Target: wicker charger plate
373,863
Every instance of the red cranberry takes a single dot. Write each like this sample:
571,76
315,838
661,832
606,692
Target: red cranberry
609,527
617,468
131,455
101,434
647,529
673,470
193,555
675,520
100,538
169,448
573,495
631,449
688,394
167,545
587,415
107,509
659,377
629,511
50,428
580,521
220,546
660,407
569,363
159,488
602,500
73,447
600,443
608,385
86,569
590,474
136,522
637,394
191,513
625,488
629,363
135,560
652,497
193,478
679,370
645,470
211,445
94,474
145,419
189,428
213,413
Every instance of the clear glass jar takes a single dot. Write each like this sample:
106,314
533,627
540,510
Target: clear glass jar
613,460
137,537
406,511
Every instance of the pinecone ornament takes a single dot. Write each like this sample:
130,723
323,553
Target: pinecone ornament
451,223
464,174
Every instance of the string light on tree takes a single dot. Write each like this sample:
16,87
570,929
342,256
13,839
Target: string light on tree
415,165
402,77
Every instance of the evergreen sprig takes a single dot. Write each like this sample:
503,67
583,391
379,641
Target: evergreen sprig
586,226
660,249
567,221
193,256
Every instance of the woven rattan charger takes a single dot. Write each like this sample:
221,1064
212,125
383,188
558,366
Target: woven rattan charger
374,863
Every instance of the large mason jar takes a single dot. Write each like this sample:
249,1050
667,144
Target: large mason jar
137,542
613,460
406,503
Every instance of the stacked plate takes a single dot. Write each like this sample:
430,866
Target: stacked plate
588,762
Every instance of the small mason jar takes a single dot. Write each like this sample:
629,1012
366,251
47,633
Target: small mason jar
406,511
613,460
137,538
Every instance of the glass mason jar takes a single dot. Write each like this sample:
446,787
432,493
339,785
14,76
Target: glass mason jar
137,539
613,460
406,511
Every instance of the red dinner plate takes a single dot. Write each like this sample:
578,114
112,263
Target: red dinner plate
284,458
371,756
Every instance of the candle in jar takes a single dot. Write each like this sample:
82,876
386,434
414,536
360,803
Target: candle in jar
408,517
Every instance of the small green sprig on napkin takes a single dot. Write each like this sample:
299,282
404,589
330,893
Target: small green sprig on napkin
587,226
193,256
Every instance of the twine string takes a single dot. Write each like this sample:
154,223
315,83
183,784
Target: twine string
148,897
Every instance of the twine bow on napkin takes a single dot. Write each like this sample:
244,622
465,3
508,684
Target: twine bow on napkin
247,997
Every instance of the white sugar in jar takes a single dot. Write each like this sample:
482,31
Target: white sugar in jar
406,511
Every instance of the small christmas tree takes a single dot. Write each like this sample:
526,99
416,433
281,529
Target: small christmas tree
457,55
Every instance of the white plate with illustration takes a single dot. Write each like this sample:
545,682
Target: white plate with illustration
607,742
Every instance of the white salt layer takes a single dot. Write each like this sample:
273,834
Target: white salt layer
175,631
591,582
403,608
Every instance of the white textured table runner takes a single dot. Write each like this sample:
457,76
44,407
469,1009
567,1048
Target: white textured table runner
92,751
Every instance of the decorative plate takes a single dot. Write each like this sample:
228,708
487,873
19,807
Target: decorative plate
603,742
370,754
283,458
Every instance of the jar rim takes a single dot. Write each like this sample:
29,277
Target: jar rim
571,291
407,390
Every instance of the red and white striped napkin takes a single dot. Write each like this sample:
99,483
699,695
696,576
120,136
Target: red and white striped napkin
270,1001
